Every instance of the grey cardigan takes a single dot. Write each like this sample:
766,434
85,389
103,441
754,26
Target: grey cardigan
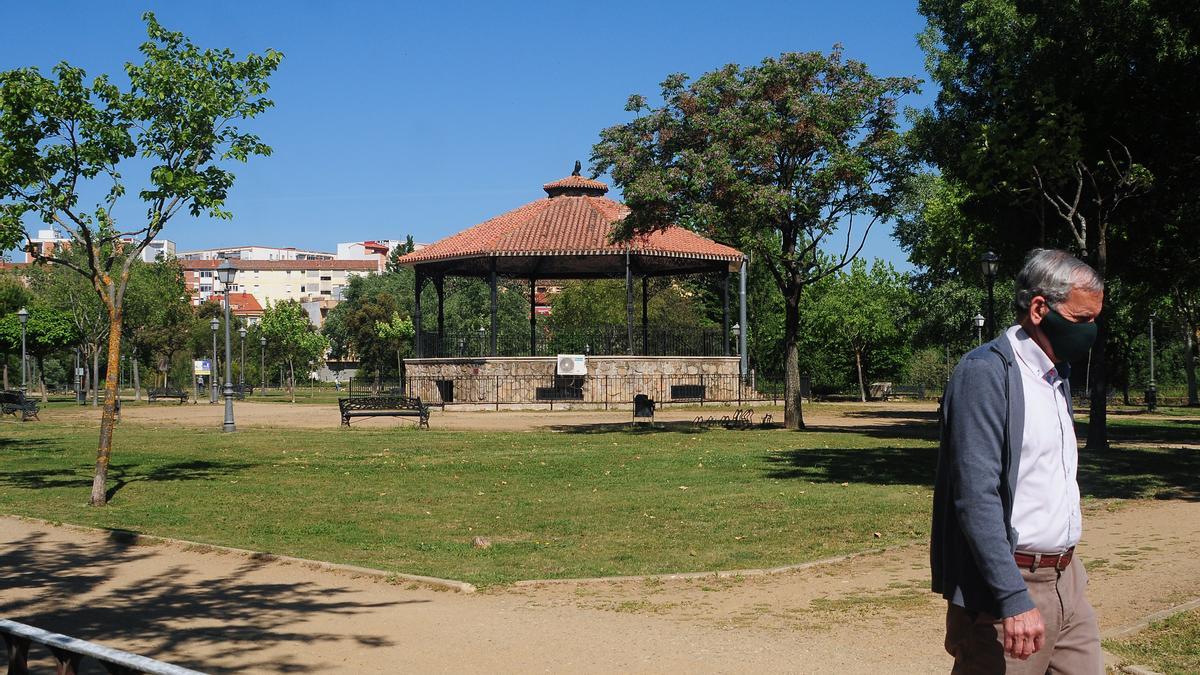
972,540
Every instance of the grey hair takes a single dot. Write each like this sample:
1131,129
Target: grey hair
1052,274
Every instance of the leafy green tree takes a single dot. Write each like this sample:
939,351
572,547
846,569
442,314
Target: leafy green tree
158,314
400,251
63,138
397,332
58,286
293,337
862,312
784,160
13,296
1072,125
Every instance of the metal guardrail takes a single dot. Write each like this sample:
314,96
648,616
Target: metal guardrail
69,652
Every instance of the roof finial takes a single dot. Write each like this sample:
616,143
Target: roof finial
578,167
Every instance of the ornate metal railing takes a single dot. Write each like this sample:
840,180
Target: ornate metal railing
70,652
600,340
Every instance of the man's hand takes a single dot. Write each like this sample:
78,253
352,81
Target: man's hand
1024,634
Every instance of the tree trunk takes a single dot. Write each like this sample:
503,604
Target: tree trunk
137,382
6,371
292,380
1189,364
95,376
862,390
41,367
1097,435
793,413
108,417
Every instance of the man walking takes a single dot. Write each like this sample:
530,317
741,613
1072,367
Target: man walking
1006,512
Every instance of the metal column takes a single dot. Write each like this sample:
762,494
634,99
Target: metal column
645,317
495,325
628,304
725,311
532,316
419,281
745,327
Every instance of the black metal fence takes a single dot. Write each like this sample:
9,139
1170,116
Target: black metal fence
601,391
601,340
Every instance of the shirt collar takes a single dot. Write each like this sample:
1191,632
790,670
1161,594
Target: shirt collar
1031,355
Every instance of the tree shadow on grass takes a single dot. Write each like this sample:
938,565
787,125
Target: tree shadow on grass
187,618
1121,473
120,475
875,466
1138,473
1166,432
680,426
23,444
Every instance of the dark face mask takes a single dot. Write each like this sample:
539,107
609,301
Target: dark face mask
1069,340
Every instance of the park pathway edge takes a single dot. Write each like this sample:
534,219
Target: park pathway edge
352,570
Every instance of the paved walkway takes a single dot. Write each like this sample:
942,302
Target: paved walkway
230,613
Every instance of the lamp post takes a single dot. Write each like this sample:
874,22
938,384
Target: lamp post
262,368
242,368
212,368
979,321
23,315
482,334
1152,389
990,264
226,272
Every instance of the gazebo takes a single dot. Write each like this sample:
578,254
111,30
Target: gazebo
567,235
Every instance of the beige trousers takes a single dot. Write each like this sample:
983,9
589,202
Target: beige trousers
976,641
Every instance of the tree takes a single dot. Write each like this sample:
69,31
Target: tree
62,139
779,159
862,311
157,313
1055,116
393,267
397,332
292,337
13,296
60,287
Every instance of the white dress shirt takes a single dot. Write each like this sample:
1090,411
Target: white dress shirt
1046,512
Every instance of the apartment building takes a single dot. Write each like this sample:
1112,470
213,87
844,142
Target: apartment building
271,281
48,241
255,253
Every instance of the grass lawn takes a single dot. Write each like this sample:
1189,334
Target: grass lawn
593,503
1170,646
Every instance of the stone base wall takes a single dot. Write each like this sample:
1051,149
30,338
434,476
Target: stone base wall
525,382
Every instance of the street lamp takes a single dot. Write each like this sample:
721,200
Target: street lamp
23,315
212,368
482,334
979,321
242,368
262,368
226,272
1152,389
990,264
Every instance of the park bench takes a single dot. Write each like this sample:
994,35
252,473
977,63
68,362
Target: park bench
13,401
167,392
241,391
905,391
384,406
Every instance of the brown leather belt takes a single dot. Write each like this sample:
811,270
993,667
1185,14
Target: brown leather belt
1032,561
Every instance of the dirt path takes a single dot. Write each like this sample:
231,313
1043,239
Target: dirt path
226,613
250,414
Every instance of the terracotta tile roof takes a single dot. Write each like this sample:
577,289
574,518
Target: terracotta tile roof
349,265
576,182
244,303
567,224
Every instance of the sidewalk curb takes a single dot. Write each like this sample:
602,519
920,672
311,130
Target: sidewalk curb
721,574
351,570
1140,625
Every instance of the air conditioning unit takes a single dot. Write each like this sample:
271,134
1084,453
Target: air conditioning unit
572,364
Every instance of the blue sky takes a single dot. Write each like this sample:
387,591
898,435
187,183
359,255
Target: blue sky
426,118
